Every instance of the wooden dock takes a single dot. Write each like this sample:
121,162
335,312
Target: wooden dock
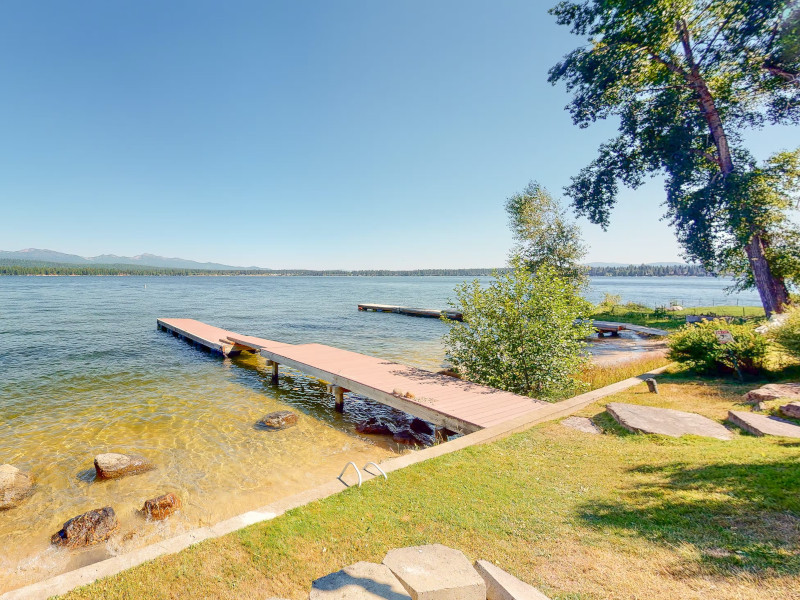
613,327
449,403
433,313
601,327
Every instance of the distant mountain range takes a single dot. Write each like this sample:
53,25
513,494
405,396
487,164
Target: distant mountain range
162,262
144,260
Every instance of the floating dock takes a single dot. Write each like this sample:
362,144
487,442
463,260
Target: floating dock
601,327
612,327
432,313
449,403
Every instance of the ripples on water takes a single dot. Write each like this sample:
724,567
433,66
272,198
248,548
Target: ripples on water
83,370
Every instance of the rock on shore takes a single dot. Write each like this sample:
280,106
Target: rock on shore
161,507
87,529
15,486
111,465
773,391
277,420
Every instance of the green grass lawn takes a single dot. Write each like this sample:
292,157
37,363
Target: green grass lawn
580,516
640,315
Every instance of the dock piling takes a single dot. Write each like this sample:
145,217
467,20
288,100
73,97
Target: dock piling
338,394
274,365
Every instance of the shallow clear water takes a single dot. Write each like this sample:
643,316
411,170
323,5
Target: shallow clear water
83,370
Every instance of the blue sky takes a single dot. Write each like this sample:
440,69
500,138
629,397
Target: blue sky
351,134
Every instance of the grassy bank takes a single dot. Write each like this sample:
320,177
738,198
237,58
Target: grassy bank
579,516
641,315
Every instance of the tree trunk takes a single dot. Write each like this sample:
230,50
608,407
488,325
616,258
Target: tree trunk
771,289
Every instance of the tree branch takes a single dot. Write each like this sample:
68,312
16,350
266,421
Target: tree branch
782,73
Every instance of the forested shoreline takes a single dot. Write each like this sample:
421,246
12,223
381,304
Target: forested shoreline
43,269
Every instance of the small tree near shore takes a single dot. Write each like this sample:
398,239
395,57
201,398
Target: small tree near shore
524,333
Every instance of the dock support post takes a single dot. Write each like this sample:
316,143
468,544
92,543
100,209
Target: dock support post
338,394
274,365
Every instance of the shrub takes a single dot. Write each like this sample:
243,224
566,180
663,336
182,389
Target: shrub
787,334
523,333
697,347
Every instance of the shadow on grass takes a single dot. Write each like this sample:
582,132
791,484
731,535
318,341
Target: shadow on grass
738,516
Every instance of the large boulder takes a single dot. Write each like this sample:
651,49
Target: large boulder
87,529
774,391
112,465
161,507
15,486
275,421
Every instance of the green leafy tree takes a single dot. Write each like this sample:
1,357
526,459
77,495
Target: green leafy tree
545,235
523,333
686,79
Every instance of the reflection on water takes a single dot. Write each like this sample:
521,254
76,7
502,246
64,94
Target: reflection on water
83,371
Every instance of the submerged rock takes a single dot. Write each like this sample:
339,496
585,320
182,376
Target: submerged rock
15,486
373,427
278,420
406,437
87,529
111,465
161,507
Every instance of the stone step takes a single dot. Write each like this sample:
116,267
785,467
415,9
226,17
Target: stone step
581,424
665,421
791,410
436,572
504,586
763,425
774,391
361,581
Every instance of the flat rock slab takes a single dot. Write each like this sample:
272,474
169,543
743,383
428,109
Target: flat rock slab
361,581
435,572
583,424
773,391
15,486
665,421
504,586
112,465
791,410
763,425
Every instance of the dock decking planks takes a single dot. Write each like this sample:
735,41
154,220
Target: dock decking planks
445,401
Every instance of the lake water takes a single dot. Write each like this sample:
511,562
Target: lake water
83,370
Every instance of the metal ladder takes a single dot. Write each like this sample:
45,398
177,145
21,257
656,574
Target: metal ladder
358,472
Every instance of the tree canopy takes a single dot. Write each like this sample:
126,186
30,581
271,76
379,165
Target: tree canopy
686,79
545,235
